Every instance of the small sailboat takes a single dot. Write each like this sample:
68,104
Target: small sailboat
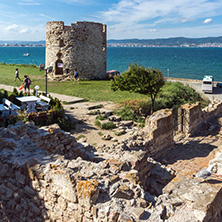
26,54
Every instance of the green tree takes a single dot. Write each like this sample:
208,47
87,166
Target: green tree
140,80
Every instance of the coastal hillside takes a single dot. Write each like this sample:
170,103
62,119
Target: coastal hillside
162,42
170,42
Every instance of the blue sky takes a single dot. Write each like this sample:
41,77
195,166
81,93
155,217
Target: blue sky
125,19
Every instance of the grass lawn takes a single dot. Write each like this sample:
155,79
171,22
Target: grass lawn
89,90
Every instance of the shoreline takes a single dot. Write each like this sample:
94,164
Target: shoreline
186,80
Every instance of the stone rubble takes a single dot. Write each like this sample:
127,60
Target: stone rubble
46,175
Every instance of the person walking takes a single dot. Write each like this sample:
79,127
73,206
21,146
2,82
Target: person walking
76,76
17,75
26,84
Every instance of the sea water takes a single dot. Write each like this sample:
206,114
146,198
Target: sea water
189,63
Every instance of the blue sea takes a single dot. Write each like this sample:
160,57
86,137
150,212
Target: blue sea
189,63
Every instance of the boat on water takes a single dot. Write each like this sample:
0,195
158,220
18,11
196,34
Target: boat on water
26,54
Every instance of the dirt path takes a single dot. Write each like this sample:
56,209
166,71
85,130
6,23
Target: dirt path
86,130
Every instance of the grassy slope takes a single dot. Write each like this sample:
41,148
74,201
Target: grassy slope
172,94
90,90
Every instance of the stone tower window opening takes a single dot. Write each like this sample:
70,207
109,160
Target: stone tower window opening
61,43
59,64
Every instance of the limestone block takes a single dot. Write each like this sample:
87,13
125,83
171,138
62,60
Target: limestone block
71,206
123,191
125,218
62,204
138,212
20,177
88,192
113,216
34,208
12,186
132,176
5,192
29,191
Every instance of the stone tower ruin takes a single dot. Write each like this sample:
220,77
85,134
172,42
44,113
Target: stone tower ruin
81,45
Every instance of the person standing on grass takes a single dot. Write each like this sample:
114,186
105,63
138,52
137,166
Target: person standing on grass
17,75
26,83
76,76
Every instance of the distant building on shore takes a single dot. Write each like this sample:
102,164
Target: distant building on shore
81,45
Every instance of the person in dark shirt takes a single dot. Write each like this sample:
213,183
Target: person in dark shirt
26,83
76,76
17,75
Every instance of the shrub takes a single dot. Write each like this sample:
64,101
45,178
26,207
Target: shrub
173,95
178,94
101,117
80,136
94,112
108,126
127,113
98,123
105,126
100,133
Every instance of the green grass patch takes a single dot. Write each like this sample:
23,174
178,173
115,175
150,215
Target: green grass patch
80,136
101,117
171,93
100,133
94,112
105,126
89,90
128,113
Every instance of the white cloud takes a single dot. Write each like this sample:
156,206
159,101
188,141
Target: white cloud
140,10
207,21
167,32
142,14
12,28
17,29
25,30
184,20
152,30
47,17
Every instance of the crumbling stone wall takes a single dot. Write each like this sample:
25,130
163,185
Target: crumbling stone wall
160,131
81,45
191,116
37,184
45,176
160,127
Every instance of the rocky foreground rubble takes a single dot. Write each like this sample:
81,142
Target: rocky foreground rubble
46,175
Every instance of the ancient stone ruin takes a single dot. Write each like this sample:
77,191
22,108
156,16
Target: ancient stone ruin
81,45
46,175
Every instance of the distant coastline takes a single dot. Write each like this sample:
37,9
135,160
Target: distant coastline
16,45
132,45
208,42
165,46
